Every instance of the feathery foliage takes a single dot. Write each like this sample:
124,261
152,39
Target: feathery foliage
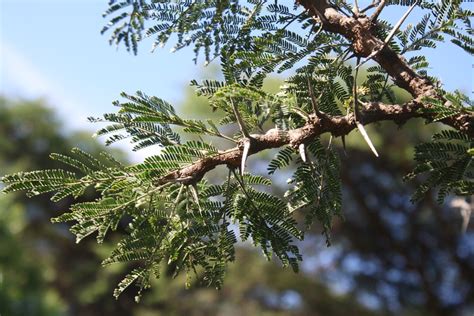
175,216
447,162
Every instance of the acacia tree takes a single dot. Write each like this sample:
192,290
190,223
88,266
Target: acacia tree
175,214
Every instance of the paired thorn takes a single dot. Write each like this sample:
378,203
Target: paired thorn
359,125
178,197
364,134
302,150
194,193
245,155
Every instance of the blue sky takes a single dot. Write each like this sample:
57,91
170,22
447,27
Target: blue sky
53,49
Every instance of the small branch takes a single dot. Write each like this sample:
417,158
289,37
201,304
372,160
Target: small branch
178,197
377,12
370,6
301,113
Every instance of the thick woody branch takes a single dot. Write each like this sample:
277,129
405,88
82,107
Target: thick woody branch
335,125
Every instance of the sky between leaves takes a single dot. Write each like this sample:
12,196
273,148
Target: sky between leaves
53,49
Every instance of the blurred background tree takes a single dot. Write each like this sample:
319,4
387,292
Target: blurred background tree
388,257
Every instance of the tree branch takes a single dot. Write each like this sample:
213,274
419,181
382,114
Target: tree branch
336,125
360,31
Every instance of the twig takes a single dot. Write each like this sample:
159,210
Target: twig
370,6
377,12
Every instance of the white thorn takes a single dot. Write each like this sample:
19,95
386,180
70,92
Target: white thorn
330,142
302,151
245,155
195,195
399,23
389,36
366,138
465,209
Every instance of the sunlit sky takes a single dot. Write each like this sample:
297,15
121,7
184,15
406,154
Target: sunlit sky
53,49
